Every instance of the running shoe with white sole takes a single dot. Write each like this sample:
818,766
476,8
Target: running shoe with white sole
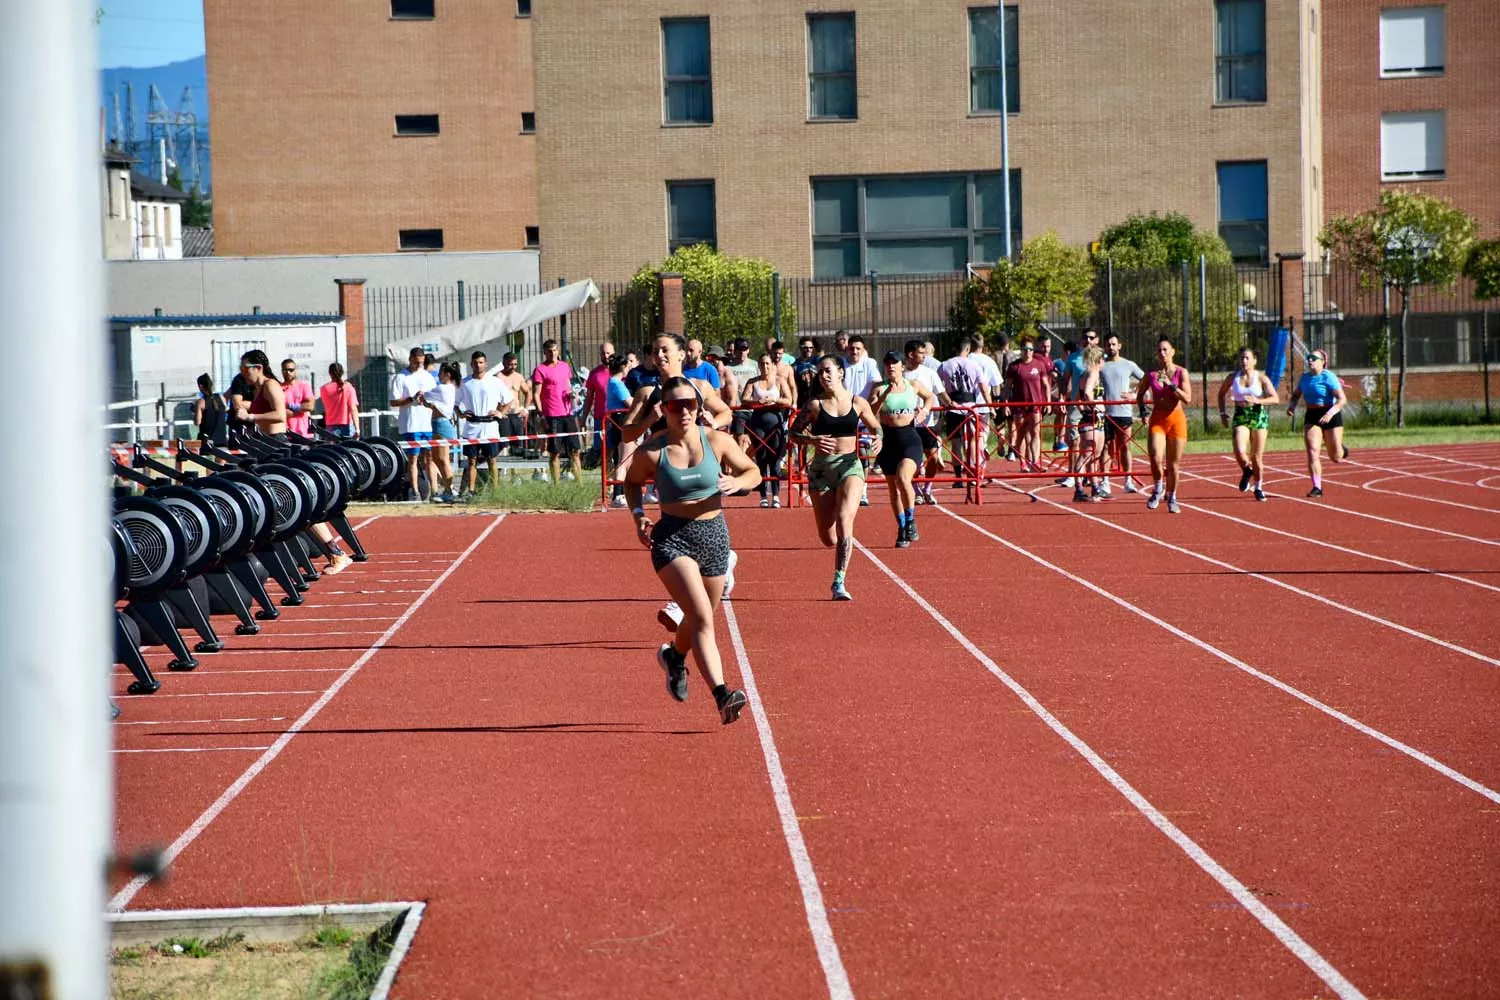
1245,476
911,530
675,664
1131,487
734,560
1153,501
1260,494
670,616
840,592
1172,507
1316,491
730,706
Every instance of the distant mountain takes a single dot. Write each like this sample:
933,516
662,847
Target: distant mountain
170,81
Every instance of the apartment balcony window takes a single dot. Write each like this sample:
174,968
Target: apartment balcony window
688,80
528,122
417,125
691,215
421,239
831,90
523,8
1240,34
985,60
1413,146
412,10
533,237
1243,211
1411,41
916,224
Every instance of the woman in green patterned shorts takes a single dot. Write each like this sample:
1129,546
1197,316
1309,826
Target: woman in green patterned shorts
1253,396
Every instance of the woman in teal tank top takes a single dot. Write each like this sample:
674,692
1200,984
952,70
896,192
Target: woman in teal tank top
902,407
694,468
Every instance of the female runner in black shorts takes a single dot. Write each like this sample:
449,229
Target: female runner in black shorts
901,405
694,469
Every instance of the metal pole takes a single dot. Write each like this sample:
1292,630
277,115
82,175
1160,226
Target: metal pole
463,301
1187,318
1203,329
1005,132
1484,359
562,326
776,304
55,599
1109,274
874,309
1386,328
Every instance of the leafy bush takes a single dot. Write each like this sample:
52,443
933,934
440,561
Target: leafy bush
1483,266
723,298
1018,295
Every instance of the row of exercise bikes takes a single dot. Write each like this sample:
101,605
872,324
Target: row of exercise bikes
207,534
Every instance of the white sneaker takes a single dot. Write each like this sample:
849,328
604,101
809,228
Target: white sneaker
1131,487
1066,481
734,559
568,476
1103,489
650,496
618,501
670,616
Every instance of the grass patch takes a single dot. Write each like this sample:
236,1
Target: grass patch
521,492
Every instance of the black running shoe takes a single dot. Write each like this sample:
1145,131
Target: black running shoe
1260,494
902,539
730,706
911,531
675,664
1316,491
1245,477
1347,453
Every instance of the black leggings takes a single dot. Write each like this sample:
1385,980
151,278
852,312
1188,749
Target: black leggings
768,445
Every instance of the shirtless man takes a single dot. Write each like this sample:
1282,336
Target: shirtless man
513,417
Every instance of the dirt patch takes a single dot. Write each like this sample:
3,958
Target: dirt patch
238,972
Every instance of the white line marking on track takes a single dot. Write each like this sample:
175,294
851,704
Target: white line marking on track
368,520
1339,548
1419,475
1358,513
1398,473
128,892
191,749
812,895
202,722
1406,630
1239,664
1289,938
1452,461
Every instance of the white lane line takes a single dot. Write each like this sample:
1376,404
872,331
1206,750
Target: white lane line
1452,461
1289,938
807,878
125,895
1360,513
1338,548
1371,487
191,749
1280,685
368,520
1367,616
1418,475
203,722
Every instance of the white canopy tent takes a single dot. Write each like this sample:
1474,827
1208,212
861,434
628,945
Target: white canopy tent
484,329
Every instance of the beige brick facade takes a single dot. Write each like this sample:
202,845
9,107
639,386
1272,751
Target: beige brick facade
1117,116
303,98
1468,90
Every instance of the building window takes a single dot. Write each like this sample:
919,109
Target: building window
412,10
922,224
533,236
528,122
687,77
830,66
1240,33
984,60
416,124
421,239
1412,146
1411,41
1243,215
691,218
523,8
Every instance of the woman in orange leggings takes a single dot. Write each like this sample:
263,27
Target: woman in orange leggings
1171,391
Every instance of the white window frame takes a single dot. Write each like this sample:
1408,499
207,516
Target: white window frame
1434,21
1396,121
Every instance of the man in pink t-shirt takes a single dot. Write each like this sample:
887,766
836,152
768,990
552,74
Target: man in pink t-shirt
553,382
596,388
299,399
340,404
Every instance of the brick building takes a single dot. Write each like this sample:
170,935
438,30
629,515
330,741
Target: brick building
1411,96
371,127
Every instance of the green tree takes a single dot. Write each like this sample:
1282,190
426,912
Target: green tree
1147,254
1483,267
197,210
1019,294
723,298
1408,239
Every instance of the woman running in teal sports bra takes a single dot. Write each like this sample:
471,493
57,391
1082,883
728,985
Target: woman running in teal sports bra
829,424
902,405
694,467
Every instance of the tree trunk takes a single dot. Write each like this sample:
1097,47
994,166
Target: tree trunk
1401,372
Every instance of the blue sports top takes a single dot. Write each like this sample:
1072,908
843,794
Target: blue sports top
697,482
1319,390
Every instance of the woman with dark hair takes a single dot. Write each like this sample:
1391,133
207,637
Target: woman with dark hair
901,406
266,407
694,469
1253,395
829,425
340,404
210,412
766,396
1323,423
1171,391
441,401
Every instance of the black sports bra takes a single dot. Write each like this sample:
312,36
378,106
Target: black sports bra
826,424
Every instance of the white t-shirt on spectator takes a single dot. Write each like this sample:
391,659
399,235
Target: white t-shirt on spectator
412,419
861,376
991,372
922,375
480,396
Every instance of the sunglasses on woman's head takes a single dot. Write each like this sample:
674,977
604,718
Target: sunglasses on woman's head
681,405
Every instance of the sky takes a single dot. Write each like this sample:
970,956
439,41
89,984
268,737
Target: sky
149,32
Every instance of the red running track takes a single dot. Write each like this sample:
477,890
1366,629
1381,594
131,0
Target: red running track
1304,798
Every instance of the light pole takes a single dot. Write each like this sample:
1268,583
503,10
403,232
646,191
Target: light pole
1004,129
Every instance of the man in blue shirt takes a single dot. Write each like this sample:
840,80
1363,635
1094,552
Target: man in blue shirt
696,366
